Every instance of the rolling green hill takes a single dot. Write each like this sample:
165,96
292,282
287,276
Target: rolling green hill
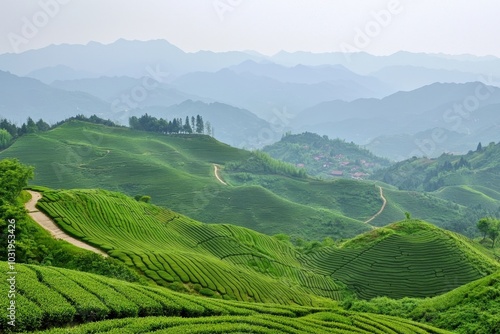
469,181
476,168
172,250
49,297
405,259
177,171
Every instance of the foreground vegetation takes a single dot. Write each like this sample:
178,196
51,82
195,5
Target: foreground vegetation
471,308
51,297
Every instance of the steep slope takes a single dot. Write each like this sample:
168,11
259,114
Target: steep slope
177,172
409,258
406,259
172,250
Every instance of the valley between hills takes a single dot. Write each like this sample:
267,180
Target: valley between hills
256,180
173,233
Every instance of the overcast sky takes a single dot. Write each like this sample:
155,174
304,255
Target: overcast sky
266,26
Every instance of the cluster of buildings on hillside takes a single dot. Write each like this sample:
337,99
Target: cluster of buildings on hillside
342,167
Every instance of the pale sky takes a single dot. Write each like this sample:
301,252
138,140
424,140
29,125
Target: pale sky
266,26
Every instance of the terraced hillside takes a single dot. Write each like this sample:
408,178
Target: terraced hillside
215,260
474,196
406,259
49,297
177,172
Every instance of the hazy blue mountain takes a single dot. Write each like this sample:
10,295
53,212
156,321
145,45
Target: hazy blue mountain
136,58
234,126
129,91
482,126
364,63
121,58
106,88
425,108
412,77
260,94
404,146
21,98
335,74
60,72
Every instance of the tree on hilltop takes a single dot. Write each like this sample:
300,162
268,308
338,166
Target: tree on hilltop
200,126
489,227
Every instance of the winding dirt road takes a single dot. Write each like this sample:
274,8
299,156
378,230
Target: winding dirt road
381,209
44,221
216,171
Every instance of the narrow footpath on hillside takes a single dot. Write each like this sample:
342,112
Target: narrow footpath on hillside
216,171
44,221
384,200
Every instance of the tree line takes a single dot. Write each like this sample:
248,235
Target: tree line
195,124
9,131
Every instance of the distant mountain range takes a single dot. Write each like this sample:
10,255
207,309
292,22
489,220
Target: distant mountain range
397,106
467,109
21,98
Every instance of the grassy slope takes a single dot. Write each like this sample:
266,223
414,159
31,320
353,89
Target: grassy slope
52,297
227,261
470,196
482,176
473,308
177,171
404,259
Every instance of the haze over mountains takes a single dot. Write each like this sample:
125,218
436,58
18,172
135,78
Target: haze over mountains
301,231
397,106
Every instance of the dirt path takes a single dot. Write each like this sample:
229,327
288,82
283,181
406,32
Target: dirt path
47,223
381,209
216,171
